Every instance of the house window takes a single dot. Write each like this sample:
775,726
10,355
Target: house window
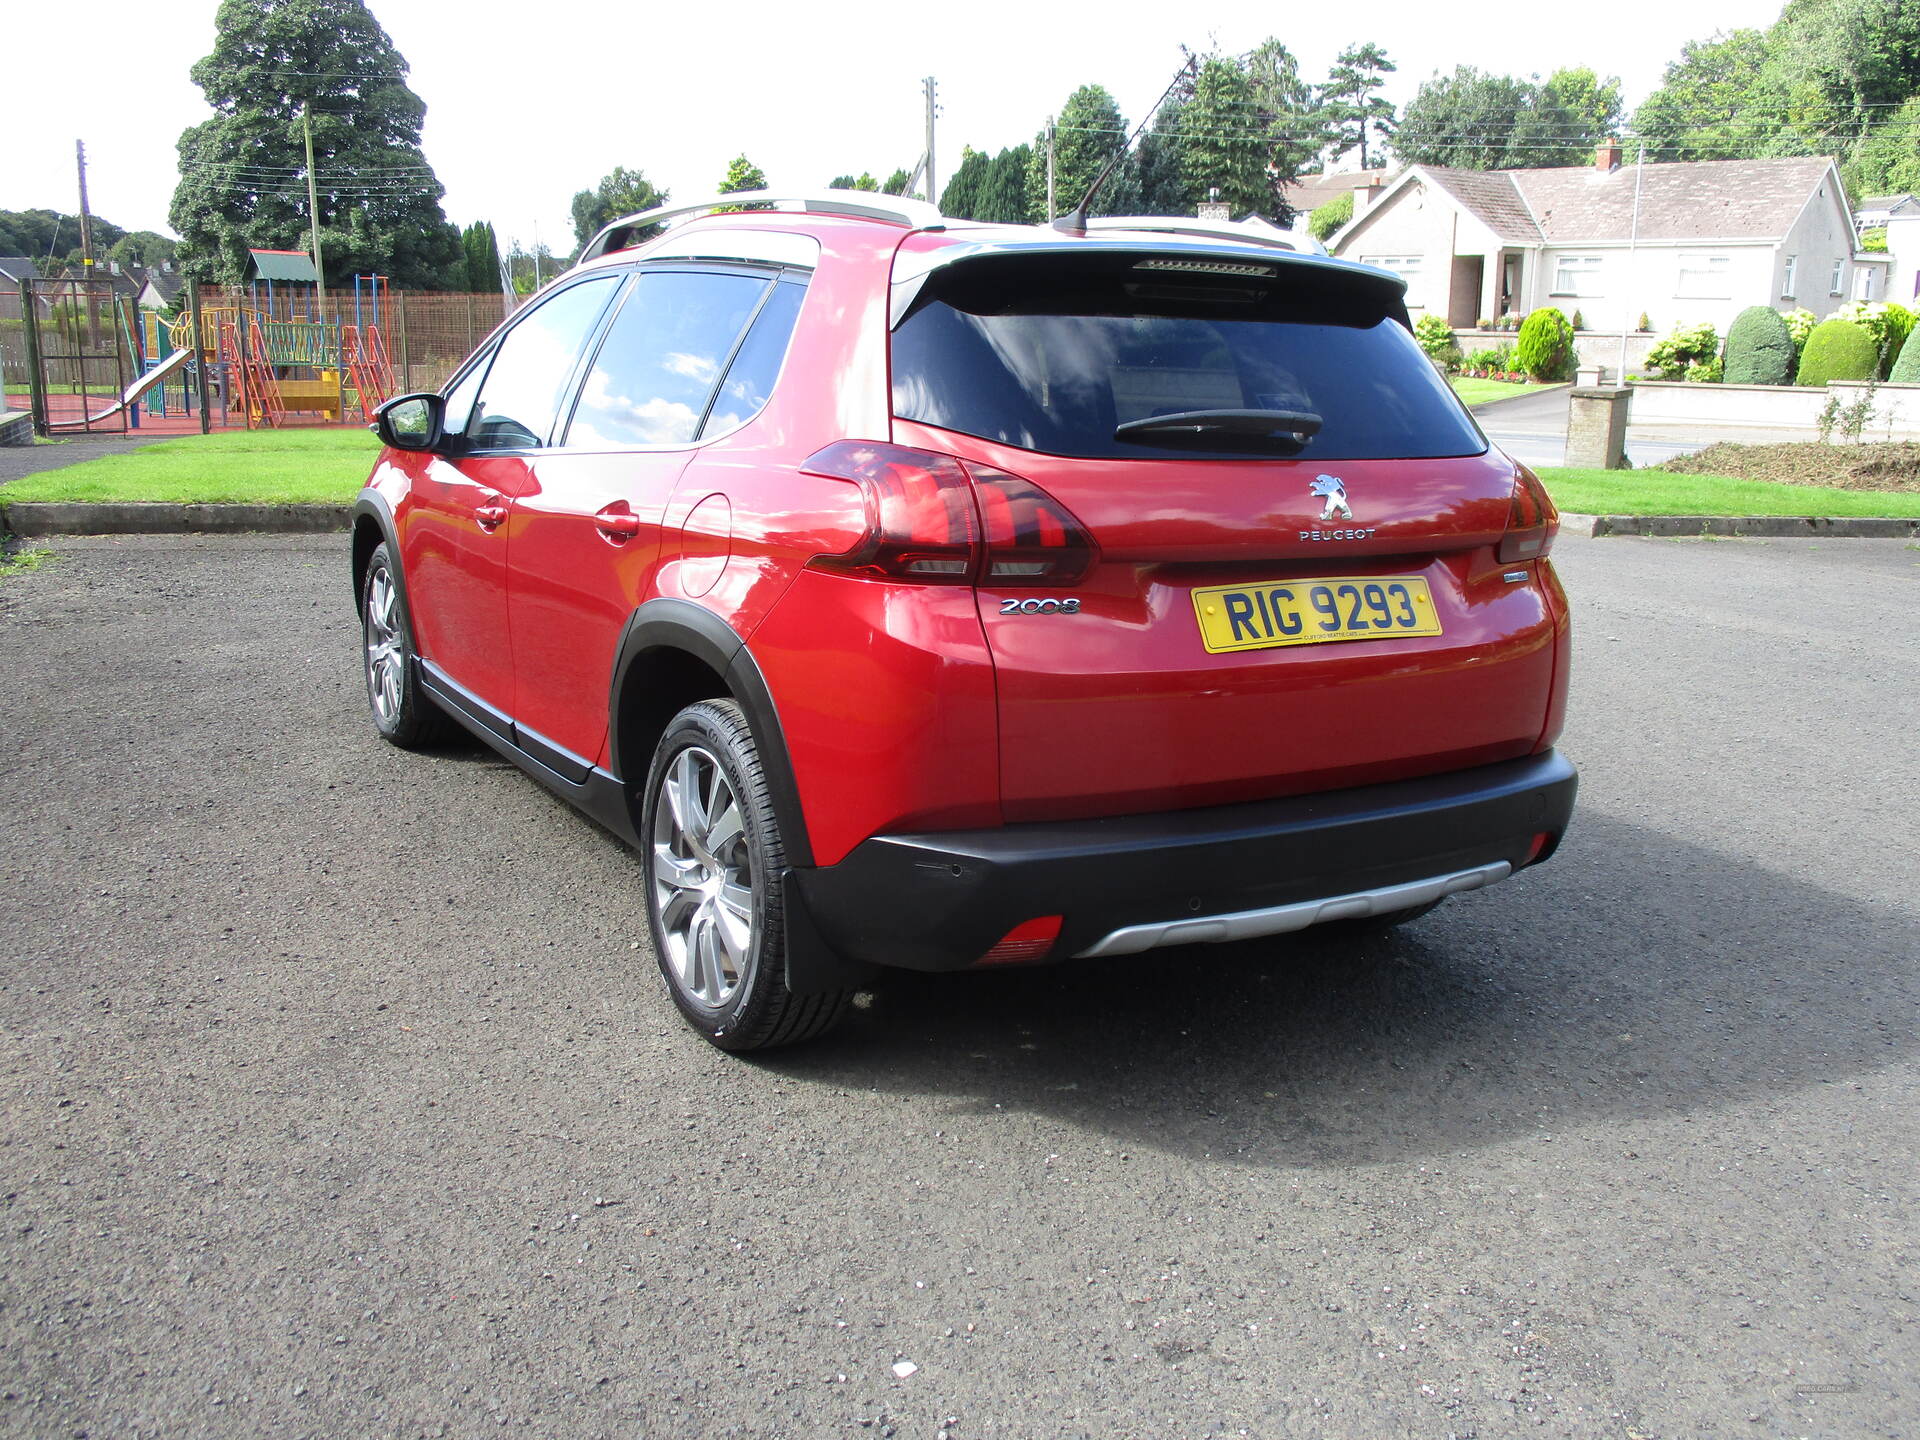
1838,285
1706,277
1577,275
1863,283
1407,267
1786,283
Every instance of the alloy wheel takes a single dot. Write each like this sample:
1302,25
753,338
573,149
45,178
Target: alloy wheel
702,878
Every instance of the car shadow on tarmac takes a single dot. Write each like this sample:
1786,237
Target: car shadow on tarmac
1634,975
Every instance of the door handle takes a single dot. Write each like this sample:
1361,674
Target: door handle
621,523
490,512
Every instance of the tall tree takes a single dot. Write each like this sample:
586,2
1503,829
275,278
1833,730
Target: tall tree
243,173
620,192
1471,120
896,183
483,257
1223,149
961,198
1705,108
1160,159
742,174
1887,159
1088,131
1003,190
1354,105
1296,120
1590,105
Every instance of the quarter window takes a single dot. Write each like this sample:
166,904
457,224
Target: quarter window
749,383
663,358
532,365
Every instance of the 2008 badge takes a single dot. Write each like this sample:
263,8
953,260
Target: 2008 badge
1040,607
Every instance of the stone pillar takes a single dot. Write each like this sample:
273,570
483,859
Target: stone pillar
1597,428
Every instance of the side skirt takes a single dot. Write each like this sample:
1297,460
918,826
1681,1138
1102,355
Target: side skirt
596,793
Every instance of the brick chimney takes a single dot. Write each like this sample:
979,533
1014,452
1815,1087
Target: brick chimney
1365,193
1607,158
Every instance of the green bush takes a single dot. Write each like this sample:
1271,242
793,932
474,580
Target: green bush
1691,345
1889,323
1579,322
1906,369
1838,350
1329,217
1434,334
1759,348
1544,348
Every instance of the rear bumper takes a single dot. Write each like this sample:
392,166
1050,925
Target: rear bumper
941,901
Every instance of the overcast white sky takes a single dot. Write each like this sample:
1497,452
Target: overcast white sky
526,105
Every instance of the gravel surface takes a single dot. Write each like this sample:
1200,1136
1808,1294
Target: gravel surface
341,1097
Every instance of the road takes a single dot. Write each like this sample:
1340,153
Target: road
340,1097
1533,430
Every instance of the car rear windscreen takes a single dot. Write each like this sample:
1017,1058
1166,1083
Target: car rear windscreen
1060,353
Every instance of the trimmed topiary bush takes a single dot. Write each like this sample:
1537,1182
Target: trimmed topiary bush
1906,369
1544,347
1838,350
1887,321
1759,348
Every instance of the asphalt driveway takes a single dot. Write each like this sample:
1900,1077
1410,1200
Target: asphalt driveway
338,1096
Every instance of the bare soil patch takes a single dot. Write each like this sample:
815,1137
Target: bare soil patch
1887,465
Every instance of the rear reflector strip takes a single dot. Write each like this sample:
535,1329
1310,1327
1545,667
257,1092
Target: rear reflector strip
1029,940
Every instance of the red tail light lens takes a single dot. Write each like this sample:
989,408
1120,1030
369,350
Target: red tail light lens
921,520
925,515
1532,522
1031,537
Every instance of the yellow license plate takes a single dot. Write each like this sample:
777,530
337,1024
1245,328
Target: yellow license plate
1311,612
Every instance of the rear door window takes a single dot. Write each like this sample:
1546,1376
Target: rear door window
1060,355
657,371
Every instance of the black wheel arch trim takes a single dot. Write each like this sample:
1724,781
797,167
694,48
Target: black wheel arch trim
666,623
370,504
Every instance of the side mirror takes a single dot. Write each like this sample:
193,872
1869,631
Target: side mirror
411,422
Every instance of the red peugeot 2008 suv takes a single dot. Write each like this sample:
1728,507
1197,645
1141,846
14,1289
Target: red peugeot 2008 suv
918,593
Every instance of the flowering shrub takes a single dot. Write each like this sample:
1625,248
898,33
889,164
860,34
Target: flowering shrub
1800,325
1689,345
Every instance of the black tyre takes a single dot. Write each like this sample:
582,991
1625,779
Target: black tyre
401,713
713,860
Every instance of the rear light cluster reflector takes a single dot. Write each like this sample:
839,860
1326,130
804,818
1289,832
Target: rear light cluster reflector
940,520
1029,940
1532,521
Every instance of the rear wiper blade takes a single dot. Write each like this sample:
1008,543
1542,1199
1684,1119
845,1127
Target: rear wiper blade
1223,429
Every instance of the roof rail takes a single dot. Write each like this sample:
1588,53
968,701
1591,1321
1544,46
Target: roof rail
1246,232
865,205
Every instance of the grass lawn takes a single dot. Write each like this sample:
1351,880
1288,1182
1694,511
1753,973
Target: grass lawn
1656,492
261,467
1473,391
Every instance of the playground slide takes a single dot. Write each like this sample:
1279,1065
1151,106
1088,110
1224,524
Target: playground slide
146,382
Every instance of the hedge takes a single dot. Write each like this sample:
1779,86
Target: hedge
1759,348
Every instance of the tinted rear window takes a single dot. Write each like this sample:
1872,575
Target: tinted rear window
1053,355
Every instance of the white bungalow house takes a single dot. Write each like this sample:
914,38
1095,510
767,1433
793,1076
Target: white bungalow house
1679,243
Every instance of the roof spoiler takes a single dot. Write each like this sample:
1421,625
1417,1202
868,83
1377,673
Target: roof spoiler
1245,232
861,204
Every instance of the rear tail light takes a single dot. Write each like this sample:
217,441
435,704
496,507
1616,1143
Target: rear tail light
1027,941
1532,521
944,521
1030,536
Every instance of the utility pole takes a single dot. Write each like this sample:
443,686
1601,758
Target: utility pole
933,187
313,215
86,216
1050,207
1633,249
